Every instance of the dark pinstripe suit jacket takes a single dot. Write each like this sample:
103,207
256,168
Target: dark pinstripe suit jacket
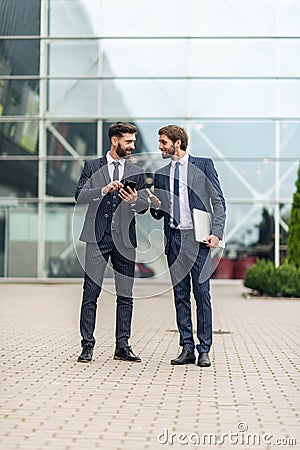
98,218
204,192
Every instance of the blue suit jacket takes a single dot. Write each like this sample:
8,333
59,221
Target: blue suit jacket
204,192
98,218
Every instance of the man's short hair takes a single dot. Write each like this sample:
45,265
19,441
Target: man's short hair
174,132
120,128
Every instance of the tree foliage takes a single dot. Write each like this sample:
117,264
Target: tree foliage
293,250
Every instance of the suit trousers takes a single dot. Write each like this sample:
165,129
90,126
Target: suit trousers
123,263
189,260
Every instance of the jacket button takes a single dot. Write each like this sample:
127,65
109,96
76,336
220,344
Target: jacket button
106,216
108,203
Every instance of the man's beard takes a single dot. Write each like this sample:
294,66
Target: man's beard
122,153
169,154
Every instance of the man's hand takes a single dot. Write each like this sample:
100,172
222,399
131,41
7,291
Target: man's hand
129,196
155,202
112,186
212,241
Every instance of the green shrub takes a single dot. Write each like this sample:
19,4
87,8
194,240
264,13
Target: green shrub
264,278
289,277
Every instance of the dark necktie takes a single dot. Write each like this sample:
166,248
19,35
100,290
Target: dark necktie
116,171
176,208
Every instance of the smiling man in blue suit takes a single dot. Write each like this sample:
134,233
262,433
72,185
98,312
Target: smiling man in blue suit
188,183
109,232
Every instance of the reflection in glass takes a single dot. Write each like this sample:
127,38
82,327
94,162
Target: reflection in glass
233,98
232,139
289,139
251,235
160,98
19,97
62,177
20,18
60,256
81,137
73,58
18,178
22,241
19,138
147,57
19,57
75,98
247,179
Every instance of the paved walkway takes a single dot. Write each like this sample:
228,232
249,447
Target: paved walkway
247,399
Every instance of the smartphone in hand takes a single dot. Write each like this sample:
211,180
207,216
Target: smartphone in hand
129,183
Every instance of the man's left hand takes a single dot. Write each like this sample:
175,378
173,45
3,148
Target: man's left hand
212,241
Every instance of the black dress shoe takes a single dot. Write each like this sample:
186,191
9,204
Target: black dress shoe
185,357
203,360
86,355
126,354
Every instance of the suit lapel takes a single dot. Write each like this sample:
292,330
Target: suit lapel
127,170
104,169
192,169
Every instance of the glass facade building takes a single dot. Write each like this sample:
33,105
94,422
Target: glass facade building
228,71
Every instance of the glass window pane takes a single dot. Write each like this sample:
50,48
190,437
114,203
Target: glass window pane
289,59
233,98
73,58
18,178
19,97
73,98
19,57
232,139
20,18
71,139
289,139
145,57
72,18
247,179
289,13
233,57
144,98
62,177
60,256
288,178
289,98
19,138
91,17
22,241
246,18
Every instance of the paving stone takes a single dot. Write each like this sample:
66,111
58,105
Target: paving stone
49,401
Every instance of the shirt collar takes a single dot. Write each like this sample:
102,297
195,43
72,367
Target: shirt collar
111,160
182,160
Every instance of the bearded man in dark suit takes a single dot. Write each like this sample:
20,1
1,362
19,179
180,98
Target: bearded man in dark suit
109,232
186,184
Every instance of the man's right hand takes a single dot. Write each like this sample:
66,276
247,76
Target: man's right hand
112,186
155,202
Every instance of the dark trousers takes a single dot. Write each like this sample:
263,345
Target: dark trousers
123,262
189,260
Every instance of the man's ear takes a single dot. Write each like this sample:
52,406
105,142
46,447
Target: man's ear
114,141
178,144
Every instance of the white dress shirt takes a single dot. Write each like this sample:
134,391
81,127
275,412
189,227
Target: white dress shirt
111,166
186,222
